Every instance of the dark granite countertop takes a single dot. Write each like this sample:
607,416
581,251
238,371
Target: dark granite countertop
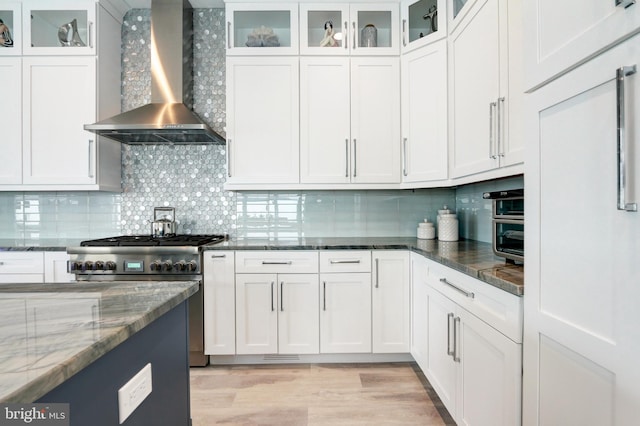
473,258
44,244
70,327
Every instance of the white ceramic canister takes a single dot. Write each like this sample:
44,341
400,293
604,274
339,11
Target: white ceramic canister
426,230
444,210
448,227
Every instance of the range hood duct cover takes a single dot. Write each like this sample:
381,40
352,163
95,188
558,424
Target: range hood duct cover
169,117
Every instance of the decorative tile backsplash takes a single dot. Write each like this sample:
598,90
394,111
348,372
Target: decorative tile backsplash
191,178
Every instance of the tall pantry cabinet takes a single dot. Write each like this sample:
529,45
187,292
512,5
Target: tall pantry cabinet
581,339
56,87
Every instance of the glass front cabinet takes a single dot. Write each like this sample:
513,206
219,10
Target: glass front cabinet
58,28
343,29
10,29
262,28
423,22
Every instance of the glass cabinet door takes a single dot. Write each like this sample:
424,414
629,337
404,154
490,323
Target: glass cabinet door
423,22
10,29
262,29
374,29
60,28
459,9
324,29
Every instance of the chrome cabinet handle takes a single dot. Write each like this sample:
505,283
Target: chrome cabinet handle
346,35
355,157
228,157
229,35
492,108
324,295
218,256
91,171
272,285
621,73
625,3
449,317
500,130
455,287
334,262
281,296
354,35
456,324
404,157
377,274
90,35
404,32
268,262
346,170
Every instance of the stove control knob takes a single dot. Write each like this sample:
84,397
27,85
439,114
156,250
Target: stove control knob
156,265
110,266
87,266
75,266
98,266
192,266
167,265
180,266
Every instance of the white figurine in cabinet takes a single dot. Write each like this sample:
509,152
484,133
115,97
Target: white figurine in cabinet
328,40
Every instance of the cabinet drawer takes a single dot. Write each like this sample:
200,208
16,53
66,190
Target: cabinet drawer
298,262
501,310
21,267
345,261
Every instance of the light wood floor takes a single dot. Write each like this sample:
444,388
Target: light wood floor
314,394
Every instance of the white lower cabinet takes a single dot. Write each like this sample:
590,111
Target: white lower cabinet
21,267
55,267
475,368
390,301
419,311
276,302
277,313
345,313
345,301
219,303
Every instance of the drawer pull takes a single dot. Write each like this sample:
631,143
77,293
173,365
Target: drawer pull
218,256
335,262
449,318
267,262
455,287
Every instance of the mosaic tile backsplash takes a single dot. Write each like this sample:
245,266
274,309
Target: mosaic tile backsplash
191,178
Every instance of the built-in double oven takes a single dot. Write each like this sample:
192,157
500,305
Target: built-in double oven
508,224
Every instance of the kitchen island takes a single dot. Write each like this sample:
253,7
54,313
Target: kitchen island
79,343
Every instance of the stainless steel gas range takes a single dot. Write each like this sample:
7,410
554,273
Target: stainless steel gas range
148,258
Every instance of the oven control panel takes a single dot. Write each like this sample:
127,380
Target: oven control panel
134,265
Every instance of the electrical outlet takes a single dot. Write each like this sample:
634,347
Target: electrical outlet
132,393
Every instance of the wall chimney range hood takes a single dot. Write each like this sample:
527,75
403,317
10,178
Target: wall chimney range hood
169,117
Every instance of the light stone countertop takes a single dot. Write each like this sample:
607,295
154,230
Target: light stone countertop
473,258
49,332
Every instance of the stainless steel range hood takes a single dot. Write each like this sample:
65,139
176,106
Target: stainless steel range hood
169,117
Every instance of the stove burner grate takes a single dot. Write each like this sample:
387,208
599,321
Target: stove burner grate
148,240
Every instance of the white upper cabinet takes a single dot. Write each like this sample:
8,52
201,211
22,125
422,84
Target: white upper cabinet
485,92
11,120
262,28
11,32
356,29
562,34
423,22
262,120
424,114
59,28
350,120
